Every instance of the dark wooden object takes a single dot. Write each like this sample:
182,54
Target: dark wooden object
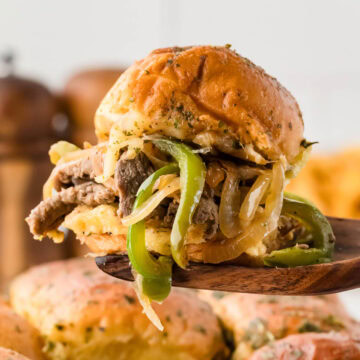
342,274
28,112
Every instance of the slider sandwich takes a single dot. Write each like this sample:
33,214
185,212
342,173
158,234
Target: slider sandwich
83,314
196,145
260,324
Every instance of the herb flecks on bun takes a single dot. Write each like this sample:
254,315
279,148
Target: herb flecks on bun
195,147
94,316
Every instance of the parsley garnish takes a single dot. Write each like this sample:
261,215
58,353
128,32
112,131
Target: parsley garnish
308,326
306,144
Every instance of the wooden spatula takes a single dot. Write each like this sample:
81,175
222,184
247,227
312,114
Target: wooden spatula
341,274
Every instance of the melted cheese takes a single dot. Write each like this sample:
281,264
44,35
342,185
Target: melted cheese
102,219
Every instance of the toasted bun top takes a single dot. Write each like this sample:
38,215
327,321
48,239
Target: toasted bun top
311,346
257,319
283,315
186,92
7,354
73,302
17,334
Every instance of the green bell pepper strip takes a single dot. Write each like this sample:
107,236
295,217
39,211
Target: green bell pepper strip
192,180
318,226
157,289
156,272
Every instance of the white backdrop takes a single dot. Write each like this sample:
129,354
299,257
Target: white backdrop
312,47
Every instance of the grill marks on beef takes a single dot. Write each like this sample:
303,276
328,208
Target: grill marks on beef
49,213
129,175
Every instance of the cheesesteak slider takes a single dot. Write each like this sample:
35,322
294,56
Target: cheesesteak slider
256,321
84,314
195,147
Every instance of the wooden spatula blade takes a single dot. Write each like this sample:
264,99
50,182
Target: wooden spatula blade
342,274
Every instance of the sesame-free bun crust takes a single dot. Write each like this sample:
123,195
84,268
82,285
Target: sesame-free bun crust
7,354
86,314
283,314
311,346
18,335
183,92
279,316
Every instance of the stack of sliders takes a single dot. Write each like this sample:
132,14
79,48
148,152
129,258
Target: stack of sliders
196,145
83,314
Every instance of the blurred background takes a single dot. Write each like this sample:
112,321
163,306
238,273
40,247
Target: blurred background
58,59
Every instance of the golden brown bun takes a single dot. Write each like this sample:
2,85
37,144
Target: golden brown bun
182,92
311,347
6,354
257,319
82,311
18,335
82,95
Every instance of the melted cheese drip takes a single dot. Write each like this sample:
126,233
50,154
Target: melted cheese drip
102,219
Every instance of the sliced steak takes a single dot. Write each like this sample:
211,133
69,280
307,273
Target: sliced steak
289,232
129,175
207,212
49,213
171,212
77,172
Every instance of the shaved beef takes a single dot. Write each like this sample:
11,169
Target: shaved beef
74,184
50,212
129,175
289,231
171,212
76,172
207,212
